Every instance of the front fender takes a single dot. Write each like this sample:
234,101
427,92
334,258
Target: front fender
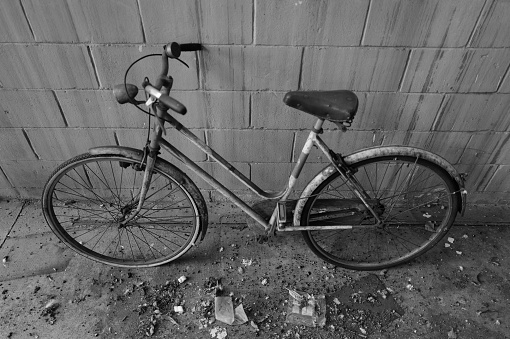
136,154
377,151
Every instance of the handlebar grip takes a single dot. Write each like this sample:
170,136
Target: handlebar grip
191,47
173,104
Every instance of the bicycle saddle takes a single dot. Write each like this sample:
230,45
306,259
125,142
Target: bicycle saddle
336,106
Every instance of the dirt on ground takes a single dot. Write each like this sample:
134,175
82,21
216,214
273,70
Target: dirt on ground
459,289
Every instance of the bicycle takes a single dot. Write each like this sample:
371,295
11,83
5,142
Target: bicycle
372,209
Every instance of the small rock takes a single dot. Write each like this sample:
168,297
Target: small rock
452,334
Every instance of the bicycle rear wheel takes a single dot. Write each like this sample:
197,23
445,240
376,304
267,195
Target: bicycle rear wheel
87,198
414,198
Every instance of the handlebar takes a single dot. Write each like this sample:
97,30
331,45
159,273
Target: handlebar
126,92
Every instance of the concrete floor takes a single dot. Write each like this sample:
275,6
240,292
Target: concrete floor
461,291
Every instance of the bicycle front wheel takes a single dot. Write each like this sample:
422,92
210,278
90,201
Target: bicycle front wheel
414,198
88,197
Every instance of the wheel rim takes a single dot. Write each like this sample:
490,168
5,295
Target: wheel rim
90,199
414,201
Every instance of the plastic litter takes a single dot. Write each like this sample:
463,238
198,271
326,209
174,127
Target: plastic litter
306,309
224,311
182,279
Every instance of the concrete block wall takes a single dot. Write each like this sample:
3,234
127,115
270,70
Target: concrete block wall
428,73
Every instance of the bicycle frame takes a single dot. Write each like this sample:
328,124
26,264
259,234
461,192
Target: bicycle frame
269,226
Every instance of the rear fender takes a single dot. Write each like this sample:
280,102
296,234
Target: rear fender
182,178
383,151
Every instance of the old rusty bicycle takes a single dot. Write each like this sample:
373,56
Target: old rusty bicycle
375,208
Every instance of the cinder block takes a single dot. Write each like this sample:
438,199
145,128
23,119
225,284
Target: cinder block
137,138
338,142
494,27
487,148
31,175
505,85
499,183
252,145
204,21
113,61
98,108
20,108
398,111
449,145
362,69
63,143
433,23
14,145
455,70
46,66
251,68
478,176
269,111
291,22
217,172
6,189
95,21
13,23
474,112
275,176
214,109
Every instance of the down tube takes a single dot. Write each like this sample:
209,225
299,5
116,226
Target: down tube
215,183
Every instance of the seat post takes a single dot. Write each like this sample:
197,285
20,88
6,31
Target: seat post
317,128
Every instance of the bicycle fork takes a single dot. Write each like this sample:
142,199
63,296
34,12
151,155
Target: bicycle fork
147,176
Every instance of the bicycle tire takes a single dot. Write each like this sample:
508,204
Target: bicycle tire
421,216
87,197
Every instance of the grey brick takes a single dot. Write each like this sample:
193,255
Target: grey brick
252,145
292,22
13,24
137,137
339,142
494,27
29,174
213,109
63,143
98,108
269,111
432,23
449,145
474,112
14,145
95,21
487,148
25,108
397,111
204,21
478,176
362,69
455,70
499,183
251,68
113,61
46,66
